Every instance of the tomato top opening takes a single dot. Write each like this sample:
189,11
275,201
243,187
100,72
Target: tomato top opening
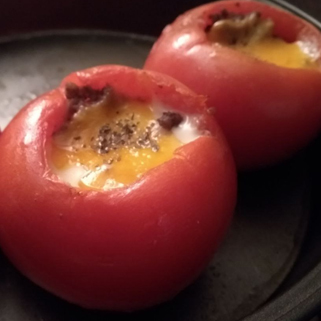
110,141
253,35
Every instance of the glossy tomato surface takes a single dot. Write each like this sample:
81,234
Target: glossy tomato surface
126,248
267,112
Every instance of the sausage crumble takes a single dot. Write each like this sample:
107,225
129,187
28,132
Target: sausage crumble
230,28
81,96
169,120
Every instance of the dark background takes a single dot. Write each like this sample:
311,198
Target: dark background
313,7
140,16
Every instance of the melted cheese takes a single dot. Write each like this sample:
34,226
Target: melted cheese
78,160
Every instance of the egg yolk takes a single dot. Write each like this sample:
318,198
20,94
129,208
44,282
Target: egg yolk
253,35
279,52
109,145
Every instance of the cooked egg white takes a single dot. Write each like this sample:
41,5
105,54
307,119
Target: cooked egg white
88,152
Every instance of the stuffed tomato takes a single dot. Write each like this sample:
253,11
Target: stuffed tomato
118,188
258,65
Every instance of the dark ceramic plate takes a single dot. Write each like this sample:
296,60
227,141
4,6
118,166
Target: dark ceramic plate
270,227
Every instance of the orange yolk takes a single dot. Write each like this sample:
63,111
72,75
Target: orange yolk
111,145
279,52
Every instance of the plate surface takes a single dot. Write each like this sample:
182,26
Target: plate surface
263,241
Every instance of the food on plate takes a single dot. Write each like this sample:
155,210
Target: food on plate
118,188
260,68
116,141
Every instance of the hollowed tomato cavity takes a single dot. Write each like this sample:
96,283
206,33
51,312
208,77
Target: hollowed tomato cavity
111,141
253,35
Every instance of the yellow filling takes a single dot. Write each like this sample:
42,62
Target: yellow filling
278,52
254,36
113,144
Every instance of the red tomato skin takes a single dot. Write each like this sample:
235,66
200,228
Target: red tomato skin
124,249
267,112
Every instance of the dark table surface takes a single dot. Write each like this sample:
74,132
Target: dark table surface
312,7
143,16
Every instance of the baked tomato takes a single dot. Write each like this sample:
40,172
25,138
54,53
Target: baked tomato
258,65
108,241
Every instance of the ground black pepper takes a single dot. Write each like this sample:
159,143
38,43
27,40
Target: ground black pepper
116,134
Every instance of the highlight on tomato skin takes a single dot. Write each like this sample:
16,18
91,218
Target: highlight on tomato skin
123,248
268,110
